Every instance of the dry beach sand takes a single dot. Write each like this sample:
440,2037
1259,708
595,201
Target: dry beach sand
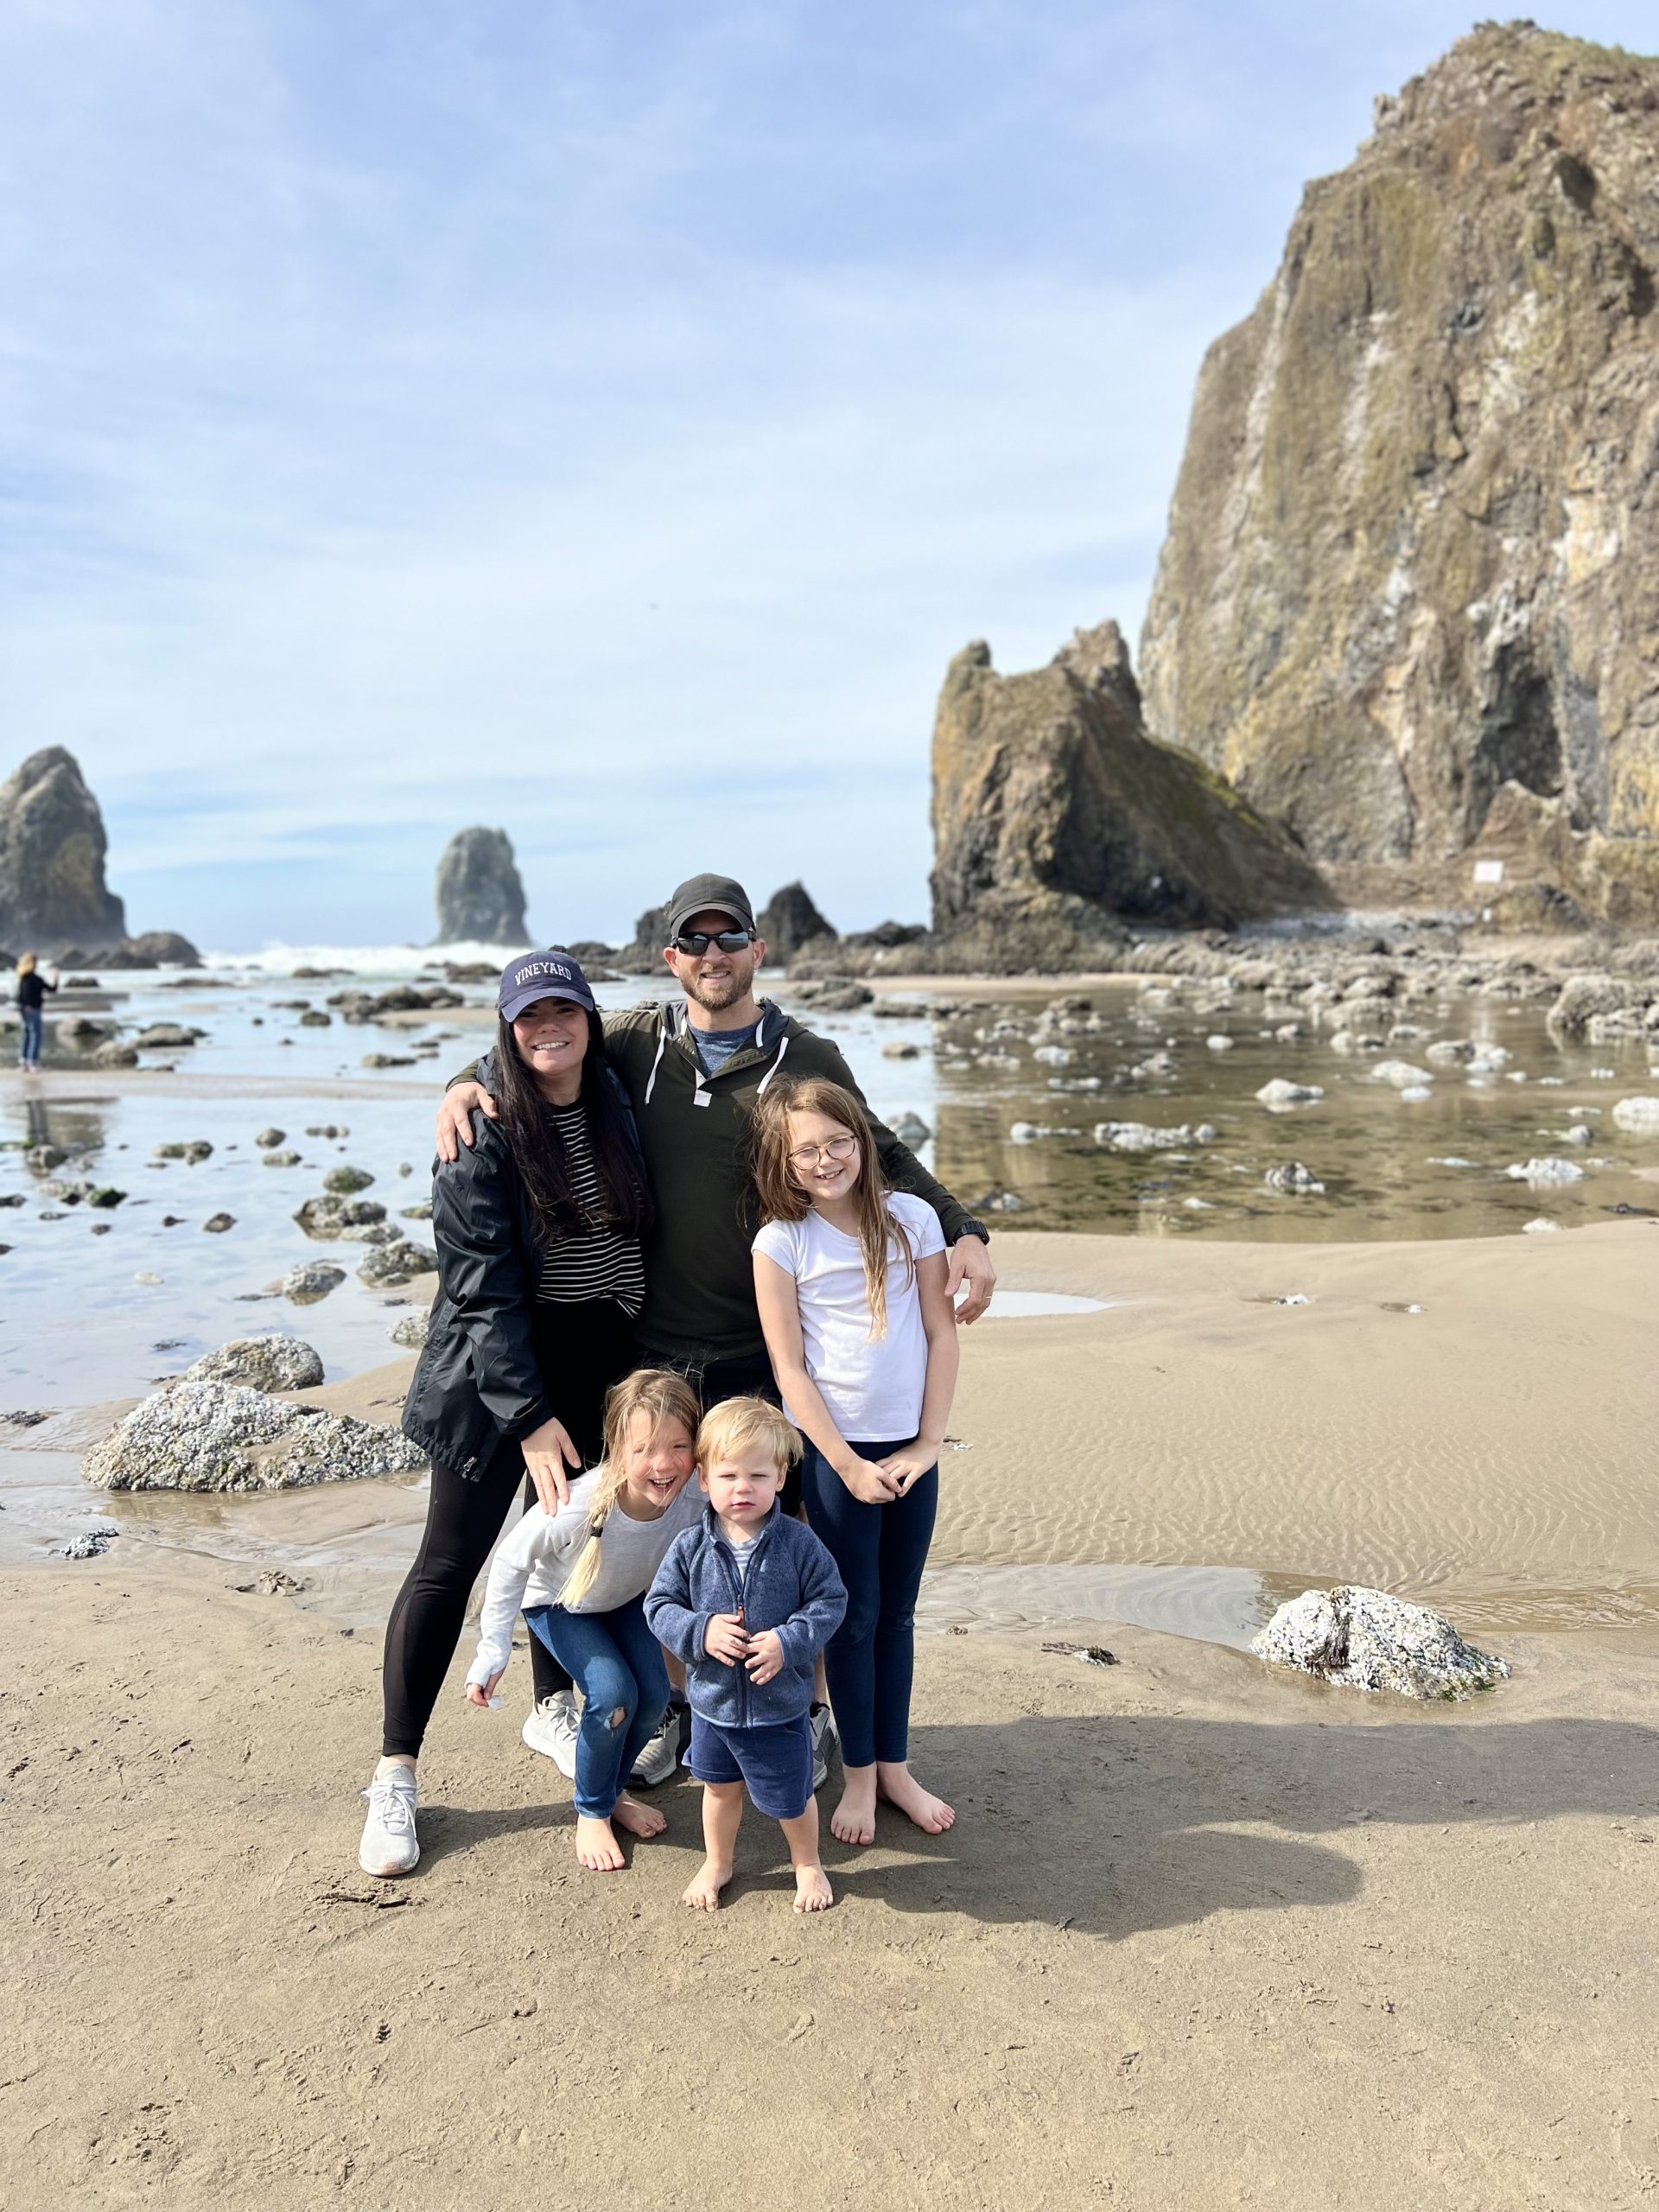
1203,1937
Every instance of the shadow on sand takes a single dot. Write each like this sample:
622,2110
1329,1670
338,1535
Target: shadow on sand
1118,1824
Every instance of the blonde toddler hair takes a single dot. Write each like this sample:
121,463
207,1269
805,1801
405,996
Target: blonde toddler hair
663,1396
736,1423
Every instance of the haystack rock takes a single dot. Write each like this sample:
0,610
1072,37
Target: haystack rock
790,920
1405,603
1057,819
52,849
480,899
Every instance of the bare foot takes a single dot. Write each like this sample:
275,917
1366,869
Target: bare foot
638,1820
854,1819
702,1890
812,1890
899,1786
597,1847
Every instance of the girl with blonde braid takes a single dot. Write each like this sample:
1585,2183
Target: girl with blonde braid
580,1576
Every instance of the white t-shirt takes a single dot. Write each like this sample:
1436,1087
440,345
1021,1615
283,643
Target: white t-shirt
873,1390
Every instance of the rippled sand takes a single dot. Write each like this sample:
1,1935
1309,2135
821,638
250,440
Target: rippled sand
1494,1450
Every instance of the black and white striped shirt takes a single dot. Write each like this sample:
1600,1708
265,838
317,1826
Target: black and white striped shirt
599,1262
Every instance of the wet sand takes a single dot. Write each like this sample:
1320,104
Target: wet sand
1201,1937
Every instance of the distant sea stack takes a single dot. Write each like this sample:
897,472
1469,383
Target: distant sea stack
52,850
1406,601
789,921
1058,821
480,899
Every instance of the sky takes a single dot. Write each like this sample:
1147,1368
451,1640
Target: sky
605,421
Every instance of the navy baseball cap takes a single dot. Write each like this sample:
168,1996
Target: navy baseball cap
534,976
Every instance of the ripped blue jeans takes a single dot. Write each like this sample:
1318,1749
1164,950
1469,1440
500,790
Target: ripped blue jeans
617,1664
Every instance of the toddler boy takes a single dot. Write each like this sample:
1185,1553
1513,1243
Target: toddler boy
747,1601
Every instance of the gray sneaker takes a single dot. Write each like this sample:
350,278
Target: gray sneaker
657,1762
825,1734
551,1730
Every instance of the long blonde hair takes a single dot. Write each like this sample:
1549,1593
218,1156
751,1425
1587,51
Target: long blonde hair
782,1198
663,1395
27,965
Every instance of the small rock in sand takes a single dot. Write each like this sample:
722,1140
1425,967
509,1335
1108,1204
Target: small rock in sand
306,1284
1637,1117
279,1159
910,1129
345,1182
1541,1227
411,1331
273,1583
1402,1074
90,1545
268,1140
1545,1171
1368,1640
216,1223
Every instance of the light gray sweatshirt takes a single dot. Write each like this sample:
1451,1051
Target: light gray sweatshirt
533,1562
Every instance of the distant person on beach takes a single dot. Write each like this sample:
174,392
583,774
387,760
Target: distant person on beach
538,1223
694,1069
747,1601
580,1576
32,987
850,1281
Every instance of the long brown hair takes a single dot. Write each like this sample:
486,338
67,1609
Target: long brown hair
539,1156
663,1396
782,1198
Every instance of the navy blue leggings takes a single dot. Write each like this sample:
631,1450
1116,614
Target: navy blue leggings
880,1551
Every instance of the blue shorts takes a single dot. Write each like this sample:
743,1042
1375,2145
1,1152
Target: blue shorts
776,1762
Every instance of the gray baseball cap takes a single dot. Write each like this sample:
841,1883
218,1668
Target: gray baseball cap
702,894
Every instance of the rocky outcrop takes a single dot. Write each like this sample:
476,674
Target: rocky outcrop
52,849
218,1436
480,899
1405,599
1057,819
644,956
789,921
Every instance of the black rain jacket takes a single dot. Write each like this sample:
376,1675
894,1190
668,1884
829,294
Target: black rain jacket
478,1380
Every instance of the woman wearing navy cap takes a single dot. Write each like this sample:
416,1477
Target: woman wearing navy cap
537,1227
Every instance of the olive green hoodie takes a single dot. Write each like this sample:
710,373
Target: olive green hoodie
693,1132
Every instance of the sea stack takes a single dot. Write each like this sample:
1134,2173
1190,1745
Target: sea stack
789,920
1058,820
52,850
1405,599
480,899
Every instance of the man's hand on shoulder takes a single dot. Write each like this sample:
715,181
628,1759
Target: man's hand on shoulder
970,1264
455,1116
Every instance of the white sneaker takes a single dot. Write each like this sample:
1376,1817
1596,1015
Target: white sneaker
656,1761
824,1732
390,1844
551,1730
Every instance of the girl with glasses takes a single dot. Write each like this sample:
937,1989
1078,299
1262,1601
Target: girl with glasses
850,1278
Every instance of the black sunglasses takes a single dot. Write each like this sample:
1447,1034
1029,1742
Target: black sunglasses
697,942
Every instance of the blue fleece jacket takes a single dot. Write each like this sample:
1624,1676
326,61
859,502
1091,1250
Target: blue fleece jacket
790,1585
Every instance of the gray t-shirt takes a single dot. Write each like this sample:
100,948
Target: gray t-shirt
715,1046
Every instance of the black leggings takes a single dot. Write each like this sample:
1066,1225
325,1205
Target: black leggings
581,1350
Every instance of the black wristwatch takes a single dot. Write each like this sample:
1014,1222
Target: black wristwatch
975,1228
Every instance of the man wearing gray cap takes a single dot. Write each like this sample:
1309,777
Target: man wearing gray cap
693,1068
